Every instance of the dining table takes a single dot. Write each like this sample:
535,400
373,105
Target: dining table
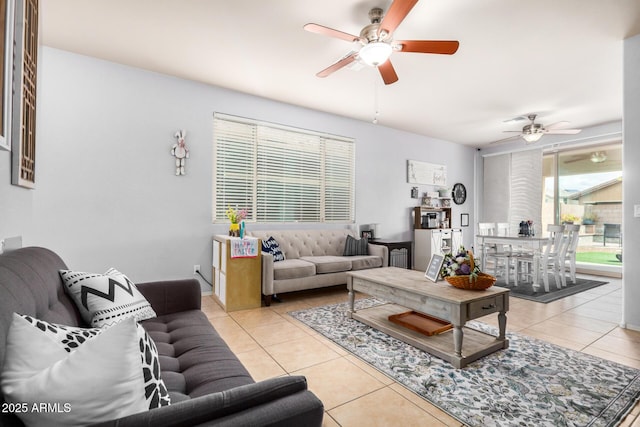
534,244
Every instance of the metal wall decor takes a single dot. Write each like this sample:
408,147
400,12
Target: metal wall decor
23,126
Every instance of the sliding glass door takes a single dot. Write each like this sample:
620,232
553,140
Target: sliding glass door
584,186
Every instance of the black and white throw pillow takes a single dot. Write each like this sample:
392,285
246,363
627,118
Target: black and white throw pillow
271,246
355,246
71,338
106,298
101,380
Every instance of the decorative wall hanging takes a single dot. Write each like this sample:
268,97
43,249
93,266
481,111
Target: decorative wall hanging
6,71
23,126
426,173
180,151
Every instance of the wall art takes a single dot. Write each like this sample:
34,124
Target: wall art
25,76
426,173
6,71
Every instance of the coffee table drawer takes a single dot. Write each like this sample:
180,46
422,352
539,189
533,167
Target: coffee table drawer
485,306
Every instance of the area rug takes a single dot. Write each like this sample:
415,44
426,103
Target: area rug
532,383
525,290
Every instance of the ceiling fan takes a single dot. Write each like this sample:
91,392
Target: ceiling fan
533,131
378,43
594,157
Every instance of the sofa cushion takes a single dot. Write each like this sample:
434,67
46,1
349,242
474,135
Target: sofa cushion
328,263
194,359
106,298
71,338
364,262
99,381
293,269
299,243
272,247
353,246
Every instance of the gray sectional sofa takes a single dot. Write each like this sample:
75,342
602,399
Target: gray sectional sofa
207,383
313,259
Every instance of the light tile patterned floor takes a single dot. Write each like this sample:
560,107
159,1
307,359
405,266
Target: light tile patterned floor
270,343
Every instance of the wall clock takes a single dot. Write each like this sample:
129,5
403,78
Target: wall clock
459,194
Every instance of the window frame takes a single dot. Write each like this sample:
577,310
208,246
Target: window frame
261,139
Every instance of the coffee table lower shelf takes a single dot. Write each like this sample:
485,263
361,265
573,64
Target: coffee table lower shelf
475,345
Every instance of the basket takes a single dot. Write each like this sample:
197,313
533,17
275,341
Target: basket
480,282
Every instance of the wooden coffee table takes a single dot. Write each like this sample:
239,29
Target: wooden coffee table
410,289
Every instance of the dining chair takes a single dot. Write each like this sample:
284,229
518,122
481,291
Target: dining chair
549,259
500,255
573,237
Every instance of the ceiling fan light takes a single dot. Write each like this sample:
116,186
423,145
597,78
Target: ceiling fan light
598,156
532,137
375,53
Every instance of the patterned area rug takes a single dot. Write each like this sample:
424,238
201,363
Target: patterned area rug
525,290
533,383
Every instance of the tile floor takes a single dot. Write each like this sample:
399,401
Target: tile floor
271,343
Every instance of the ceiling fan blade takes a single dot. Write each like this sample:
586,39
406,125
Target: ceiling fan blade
556,125
501,141
445,47
578,159
326,31
562,131
335,67
388,73
398,10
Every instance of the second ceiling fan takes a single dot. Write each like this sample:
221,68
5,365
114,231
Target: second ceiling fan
378,43
534,131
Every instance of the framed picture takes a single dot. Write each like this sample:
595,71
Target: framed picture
6,71
433,270
464,220
366,234
23,127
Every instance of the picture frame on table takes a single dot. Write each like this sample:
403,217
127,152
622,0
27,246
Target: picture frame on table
435,265
7,11
368,234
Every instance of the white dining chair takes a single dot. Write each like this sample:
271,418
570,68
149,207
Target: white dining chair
500,255
573,237
549,259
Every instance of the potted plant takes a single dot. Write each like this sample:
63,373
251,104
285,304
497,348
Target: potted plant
589,219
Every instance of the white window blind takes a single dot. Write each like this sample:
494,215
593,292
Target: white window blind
281,174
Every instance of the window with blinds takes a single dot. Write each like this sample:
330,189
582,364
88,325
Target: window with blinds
281,174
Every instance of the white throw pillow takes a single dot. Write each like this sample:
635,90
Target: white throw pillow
99,381
71,338
106,298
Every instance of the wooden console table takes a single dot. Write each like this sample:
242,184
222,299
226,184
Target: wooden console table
410,289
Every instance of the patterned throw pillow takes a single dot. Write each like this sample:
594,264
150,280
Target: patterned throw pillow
71,338
271,246
101,380
355,246
106,298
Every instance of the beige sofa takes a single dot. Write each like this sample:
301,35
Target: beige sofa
313,259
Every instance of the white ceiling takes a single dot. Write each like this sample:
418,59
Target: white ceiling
561,59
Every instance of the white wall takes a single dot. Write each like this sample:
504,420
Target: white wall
106,191
631,189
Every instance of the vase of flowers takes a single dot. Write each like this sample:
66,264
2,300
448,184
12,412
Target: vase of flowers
235,216
459,270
